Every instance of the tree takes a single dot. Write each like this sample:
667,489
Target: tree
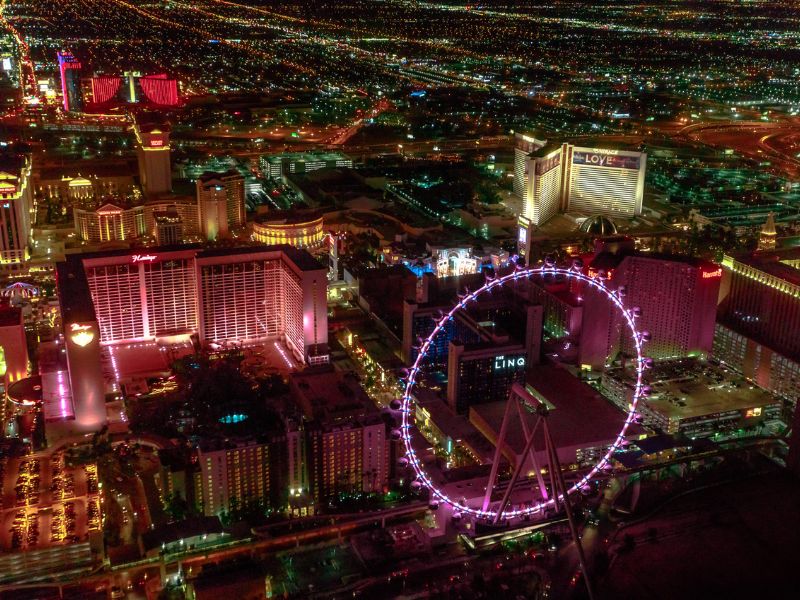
487,193
176,507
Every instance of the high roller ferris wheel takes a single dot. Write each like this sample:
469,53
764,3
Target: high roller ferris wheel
495,512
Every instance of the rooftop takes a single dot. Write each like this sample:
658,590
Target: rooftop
74,295
330,396
99,169
173,532
289,217
210,176
10,316
782,264
12,160
307,156
690,388
581,417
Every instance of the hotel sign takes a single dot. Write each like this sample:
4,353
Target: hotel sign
82,335
502,363
601,159
137,258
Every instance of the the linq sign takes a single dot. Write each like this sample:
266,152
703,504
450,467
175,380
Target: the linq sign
501,363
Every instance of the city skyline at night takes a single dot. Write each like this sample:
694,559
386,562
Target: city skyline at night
399,299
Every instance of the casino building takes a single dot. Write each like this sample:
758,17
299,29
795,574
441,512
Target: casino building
153,153
758,319
603,181
173,293
300,231
16,200
553,178
111,222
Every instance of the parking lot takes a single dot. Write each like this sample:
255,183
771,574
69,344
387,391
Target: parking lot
44,502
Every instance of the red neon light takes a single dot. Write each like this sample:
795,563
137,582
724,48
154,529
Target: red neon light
143,258
104,88
66,62
160,90
156,142
712,274
595,273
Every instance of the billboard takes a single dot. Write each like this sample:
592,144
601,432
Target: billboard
603,159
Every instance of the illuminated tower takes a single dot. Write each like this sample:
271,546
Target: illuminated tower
152,148
234,198
130,86
159,90
70,70
82,341
602,181
333,252
212,206
766,239
13,347
677,297
16,200
220,199
105,88
524,144
542,199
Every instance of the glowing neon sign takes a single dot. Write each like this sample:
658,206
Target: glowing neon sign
137,258
156,143
712,274
595,273
82,335
501,363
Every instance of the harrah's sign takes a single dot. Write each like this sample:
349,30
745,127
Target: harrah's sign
137,258
712,274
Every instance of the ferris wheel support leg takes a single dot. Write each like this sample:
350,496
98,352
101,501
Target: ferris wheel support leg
498,454
515,476
555,466
528,434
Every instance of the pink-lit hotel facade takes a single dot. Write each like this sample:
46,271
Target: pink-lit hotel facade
245,295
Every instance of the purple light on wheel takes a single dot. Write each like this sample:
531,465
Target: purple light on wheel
545,269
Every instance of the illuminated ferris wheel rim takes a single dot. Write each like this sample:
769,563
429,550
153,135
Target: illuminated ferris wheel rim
575,273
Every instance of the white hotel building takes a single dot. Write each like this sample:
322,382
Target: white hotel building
560,178
168,294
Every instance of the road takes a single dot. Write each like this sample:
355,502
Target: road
27,70
775,142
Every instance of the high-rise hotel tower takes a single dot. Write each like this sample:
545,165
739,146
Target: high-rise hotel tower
554,178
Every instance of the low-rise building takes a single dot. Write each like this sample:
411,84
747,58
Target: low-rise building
695,398
275,167
296,229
